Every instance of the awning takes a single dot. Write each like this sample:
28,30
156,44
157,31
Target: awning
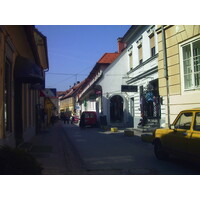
27,71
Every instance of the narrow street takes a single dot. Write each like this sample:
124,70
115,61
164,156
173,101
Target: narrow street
113,153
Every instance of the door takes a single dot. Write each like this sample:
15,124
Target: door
116,109
177,140
194,143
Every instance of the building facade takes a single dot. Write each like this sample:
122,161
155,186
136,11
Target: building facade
91,93
69,100
114,102
131,78
145,104
23,62
179,68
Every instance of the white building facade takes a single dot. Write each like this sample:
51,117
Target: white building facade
114,102
146,103
136,66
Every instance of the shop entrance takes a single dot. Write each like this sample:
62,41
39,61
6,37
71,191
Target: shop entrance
150,101
116,109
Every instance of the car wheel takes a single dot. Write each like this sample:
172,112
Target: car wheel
159,152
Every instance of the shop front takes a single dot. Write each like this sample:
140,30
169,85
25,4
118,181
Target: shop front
150,103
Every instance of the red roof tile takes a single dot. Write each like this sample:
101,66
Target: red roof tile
108,58
73,89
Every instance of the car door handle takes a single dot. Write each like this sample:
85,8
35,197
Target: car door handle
184,133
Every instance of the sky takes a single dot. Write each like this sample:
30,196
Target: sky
73,50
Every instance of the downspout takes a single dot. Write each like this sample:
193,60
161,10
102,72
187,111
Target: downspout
166,71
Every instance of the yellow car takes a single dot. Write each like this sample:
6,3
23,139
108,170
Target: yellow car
181,139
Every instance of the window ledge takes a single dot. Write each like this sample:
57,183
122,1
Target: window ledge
142,64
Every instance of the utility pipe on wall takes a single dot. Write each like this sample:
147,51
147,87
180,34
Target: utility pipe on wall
166,71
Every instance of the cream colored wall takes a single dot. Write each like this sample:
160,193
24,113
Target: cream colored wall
19,40
6,51
41,50
20,46
179,100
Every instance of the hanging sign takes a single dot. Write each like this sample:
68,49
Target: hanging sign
129,88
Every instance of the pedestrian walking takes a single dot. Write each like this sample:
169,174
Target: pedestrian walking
53,119
72,120
67,119
64,119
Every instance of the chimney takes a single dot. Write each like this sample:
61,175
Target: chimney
121,45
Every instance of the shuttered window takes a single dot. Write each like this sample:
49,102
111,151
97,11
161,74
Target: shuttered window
140,54
152,45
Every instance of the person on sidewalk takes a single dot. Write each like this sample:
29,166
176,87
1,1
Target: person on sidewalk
64,119
67,119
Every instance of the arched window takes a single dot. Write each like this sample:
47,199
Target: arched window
116,109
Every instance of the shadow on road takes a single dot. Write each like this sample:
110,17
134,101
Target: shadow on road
105,152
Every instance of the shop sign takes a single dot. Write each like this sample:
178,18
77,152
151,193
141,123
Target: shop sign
129,88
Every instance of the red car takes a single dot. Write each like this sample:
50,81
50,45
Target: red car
88,118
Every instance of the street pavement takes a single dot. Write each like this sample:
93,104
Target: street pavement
65,149
55,153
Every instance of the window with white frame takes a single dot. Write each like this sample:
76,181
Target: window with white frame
191,64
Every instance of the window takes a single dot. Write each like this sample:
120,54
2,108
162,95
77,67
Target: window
197,122
140,54
131,60
139,45
184,121
152,45
191,65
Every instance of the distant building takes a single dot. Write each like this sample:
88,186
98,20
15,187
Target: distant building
90,95
68,100
49,98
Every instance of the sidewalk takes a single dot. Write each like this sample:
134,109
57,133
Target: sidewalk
53,150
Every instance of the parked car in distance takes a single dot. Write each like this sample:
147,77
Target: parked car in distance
88,118
181,139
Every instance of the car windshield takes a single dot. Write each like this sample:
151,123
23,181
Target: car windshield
89,115
184,121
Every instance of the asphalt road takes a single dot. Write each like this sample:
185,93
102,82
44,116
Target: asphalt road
113,153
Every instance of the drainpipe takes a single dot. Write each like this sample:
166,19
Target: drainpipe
166,71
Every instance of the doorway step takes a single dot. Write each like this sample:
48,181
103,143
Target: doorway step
150,126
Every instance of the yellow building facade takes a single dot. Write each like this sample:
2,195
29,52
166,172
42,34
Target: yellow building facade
23,60
179,68
67,104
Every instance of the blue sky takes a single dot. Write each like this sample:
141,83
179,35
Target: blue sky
75,49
